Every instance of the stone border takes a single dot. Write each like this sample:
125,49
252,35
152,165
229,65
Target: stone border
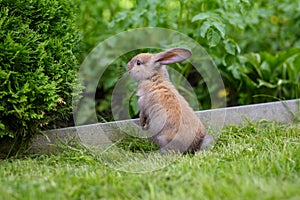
101,134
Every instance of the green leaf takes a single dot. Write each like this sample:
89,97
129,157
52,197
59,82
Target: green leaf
235,71
201,16
230,47
265,71
253,58
203,29
2,127
266,84
213,37
108,83
220,27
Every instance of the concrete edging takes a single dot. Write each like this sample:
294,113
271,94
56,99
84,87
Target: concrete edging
101,133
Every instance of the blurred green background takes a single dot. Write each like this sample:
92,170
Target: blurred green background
255,44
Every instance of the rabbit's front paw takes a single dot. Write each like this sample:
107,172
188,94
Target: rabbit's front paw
145,126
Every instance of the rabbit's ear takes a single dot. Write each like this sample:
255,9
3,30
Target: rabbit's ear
172,56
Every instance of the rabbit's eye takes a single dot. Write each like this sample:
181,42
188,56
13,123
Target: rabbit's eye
138,62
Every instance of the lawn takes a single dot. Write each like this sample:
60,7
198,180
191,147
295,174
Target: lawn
253,161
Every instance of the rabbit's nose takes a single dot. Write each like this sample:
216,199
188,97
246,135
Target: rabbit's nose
128,66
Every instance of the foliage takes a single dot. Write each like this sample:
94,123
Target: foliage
253,161
265,75
255,46
233,32
37,44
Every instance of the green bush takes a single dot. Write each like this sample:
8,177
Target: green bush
264,76
38,41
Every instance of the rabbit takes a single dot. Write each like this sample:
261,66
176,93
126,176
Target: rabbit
163,111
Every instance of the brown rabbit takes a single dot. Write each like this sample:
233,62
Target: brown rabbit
163,111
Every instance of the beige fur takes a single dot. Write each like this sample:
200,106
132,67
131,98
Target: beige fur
163,111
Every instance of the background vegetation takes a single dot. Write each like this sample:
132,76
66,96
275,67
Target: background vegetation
255,45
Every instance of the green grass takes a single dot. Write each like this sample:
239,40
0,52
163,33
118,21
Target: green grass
253,161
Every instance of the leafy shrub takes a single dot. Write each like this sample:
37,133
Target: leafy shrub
263,76
37,44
